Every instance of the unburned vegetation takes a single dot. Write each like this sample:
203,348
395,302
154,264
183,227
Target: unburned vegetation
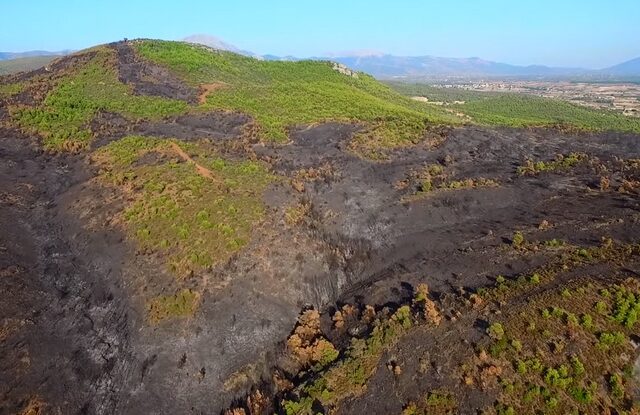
194,211
520,110
284,94
568,350
63,117
559,347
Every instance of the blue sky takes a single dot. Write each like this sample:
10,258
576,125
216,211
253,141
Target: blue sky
584,33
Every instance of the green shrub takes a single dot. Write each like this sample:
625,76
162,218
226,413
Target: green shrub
496,331
586,321
616,385
609,340
601,307
521,367
535,278
582,395
517,240
517,345
578,367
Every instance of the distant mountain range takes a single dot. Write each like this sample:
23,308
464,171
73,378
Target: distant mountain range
216,43
389,66
628,68
30,54
385,66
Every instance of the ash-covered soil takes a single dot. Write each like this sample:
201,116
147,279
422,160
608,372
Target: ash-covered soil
74,334
65,327
150,79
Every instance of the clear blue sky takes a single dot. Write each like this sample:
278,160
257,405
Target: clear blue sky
588,33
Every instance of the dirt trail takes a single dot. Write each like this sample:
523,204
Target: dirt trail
206,89
202,171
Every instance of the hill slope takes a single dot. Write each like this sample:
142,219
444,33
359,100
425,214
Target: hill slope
277,95
281,94
192,205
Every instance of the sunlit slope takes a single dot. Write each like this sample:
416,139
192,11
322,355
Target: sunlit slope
277,95
281,94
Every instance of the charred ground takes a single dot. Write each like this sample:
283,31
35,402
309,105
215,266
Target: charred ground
156,257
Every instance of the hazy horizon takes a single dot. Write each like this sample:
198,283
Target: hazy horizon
529,33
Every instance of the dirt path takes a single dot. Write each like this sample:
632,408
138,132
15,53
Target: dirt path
206,89
202,171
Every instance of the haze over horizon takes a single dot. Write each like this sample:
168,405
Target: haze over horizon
542,32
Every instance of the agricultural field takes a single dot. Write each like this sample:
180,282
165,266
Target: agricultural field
520,109
186,230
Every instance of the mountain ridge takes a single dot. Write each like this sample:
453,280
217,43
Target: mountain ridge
630,67
32,53
389,66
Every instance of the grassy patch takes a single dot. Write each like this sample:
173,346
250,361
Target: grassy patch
560,163
433,403
565,258
62,119
433,177
282,94
182,304
195,220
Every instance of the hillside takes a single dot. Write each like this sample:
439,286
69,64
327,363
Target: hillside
276,94
186,230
